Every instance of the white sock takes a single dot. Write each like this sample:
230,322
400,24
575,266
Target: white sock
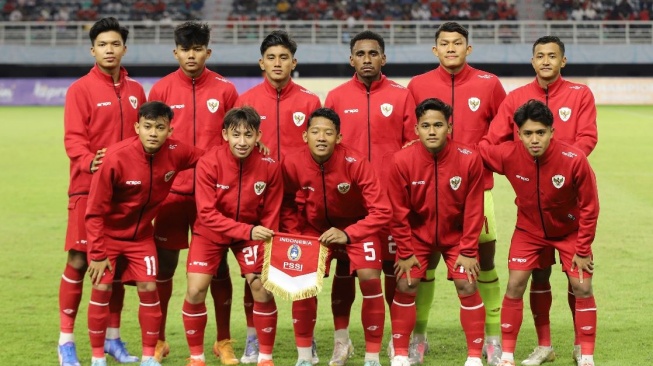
587,358
305,353
371,357
474,359
65,338
264,356
113,333
341,334
507,356
251,331
93,359
198,357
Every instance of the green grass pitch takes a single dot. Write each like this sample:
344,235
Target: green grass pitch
33,183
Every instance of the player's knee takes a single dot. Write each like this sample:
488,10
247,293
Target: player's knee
403,286
195,294
582,290
464,288
77,260
541,275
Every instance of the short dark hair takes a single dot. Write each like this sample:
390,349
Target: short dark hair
154,110
107,25
452,27
535,111
244,116
327,113
367,35
279,38
192,33
550,39
433,104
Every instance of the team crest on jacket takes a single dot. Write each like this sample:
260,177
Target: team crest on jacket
343,187
169,175
259,187
386,109
294,252
213,105
455,182
558,180
474,103
298,118
564,113
134,101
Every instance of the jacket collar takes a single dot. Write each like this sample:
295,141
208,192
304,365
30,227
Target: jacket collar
329,165
553,88
272,91
441,156
461,76
546,157
235,163
107,78
376,85
187,81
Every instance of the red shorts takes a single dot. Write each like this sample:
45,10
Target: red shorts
526,251
363,255
423,253
204,256
76,230
140,260
174,220
388,246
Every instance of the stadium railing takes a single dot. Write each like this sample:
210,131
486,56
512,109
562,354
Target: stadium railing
335,32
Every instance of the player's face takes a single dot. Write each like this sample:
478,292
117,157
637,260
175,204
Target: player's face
536,137
192,59
241,140
321,138
547,61
278,63
452,50
367,59
432,129
153,133
108,50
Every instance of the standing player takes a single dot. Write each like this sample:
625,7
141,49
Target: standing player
377,119
200,98
436,190
125,195
100,110
475,96
575,124
239,194
283,107
345,206
557,207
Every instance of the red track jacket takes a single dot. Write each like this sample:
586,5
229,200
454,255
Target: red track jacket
377,122
129,187
235,195
556,193
572,105
437,200
475,96
97,114
199,105
344,192
284,115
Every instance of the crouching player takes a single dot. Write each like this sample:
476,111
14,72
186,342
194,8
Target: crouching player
126,193
557,207
436,190
238,195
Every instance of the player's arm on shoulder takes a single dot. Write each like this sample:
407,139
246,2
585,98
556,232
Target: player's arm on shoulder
492,156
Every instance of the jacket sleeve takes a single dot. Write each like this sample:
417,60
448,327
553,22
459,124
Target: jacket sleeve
409,119
289,215
99,203
273,198
375,201
329,102
156,93
473,212
586,131
492,156
231,98
502,126
400,201
588,202
206,200
77,115
189,156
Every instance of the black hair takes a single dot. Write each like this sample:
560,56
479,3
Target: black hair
367,35
327,113
535,111
550,39
279,38
154,110
453,27
244,116
433,104
192,33
107,25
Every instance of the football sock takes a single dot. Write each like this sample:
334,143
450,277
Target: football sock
248,304
149,317
540,298
423,301
222,291
265,321
164,288
389,286
586,324
511,319
342,297
194,317
115,308
304,313
571,300
402,315
472,317
372,314
70,295
488,286
98,318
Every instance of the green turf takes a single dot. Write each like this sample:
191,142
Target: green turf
33,183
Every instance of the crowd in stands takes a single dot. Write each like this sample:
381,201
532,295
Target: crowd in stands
69,10
578,10
354,10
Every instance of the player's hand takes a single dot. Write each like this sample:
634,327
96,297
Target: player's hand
583,264
467,265
97,160
96,270
261,233
405,265
333,236
263,149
